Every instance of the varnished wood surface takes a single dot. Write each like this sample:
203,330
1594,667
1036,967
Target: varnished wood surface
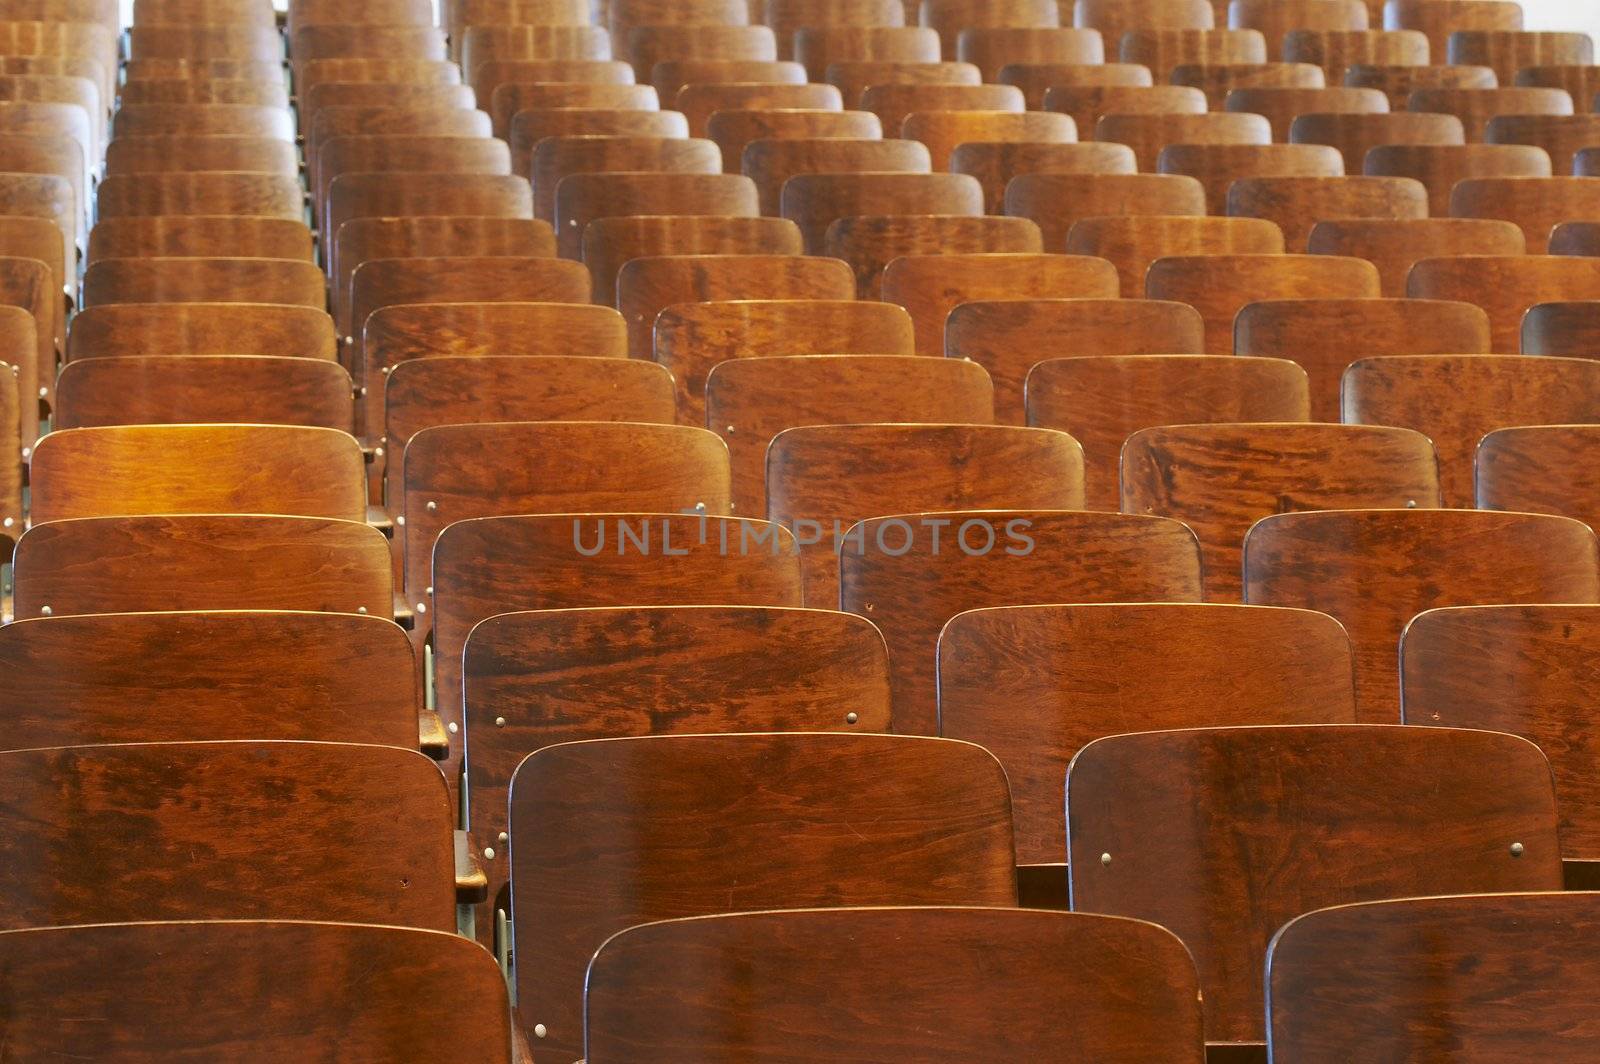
511,97
530,127
1114,18
992,48
1561,136
1297,204
184,152
1439,20
582,198
181,992
1506,287
1456,400
331,123
1132,242
286,282
44,196
1218,166
1441,166
1579,82
771,161
1231,832
481,43
205,236
1477,107
201,329
1275,18
406,153
645,46
1394,245
1374,570
786,17
391,195
209,119
556,157
670,76
1400,81
816,201
1164,49
995,165
1035,684
1136,998
1576,238
1281,106
173,469
174,831
216,90
698,103
1336,51
692,338
184,677
27,286
853,77
1540,469
1508,51
610,243
1088,104
1218,81
951,17
203,389
870,242
1355,134
696,825
377,41
818,48
1220,286
1056,202
1536,205
1561,329
943,131
407,95
11,519
1037,79
1148,134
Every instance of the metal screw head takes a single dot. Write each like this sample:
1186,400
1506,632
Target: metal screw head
43,392
1516,849
433,507
1105,859
1411,504
699,507
422,607
10,521
400,521
488,853
361,609
730,430
452,727
851,718
46,610
504,837
377,452
499,722
539,1030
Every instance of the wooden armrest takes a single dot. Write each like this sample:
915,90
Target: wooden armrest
432,739
472,886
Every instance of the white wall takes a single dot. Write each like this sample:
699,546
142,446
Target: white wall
1568,15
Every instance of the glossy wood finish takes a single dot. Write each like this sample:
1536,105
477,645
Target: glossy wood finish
493,73
1281,106
853,77
403,95
203,389
1219,81
870,243
995,165
511,98
992,48
29,37
1220,286
1163,50
1401,81
1506,287
1035,684
408,154
670,76
816,201
201,329
611,243
173,831
583,198
1131,243
1336,51
189,90
1395,245
1561,329
205,236
179,991
395,70
1057,202
1114,18
1218,166
786,17
941,835
1537,205
331,123
286,282
1148,134
944,131
820,47
1562,136
646,287
771,162
692,338
950,18
930,286
171,469
1275,18
649,45
700,102
211,119
528,128
1251,827
1088,104
18,345
49,197
1357,134
1439,19
1477,107
183,152
27,285
481,44
187,677
1582,83
1539,469
1507,52
391,195
1297,204
556,157
823,475
1137,999
1037,79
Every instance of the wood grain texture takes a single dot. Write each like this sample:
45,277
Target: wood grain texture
482,43
1561,329
493,73
1221,479
1506,287
24,328
1035,684
1579,82
1439,20
203,389
692,338
750,401
1374,570
1401,80
786,17
996,164
1442,166
510,97
1220,286
58,156
286,282
528,128
949,18
201,329
853,77
422,95
1218,166
585,197
1101,400
1163,49
992,48
556,157
215,90
1541,469
1561,136
1056,201
378,13
1355,134
209,119
697,825
406,153
1456,400
1281,106
1036,79
1336,51
1477,107
201,469
1251,827
646,287
332,41
176,831
1136,1001
44,196
1275,18
179,992
930,286
538,678
11,519
212,236
390,195
200,69
1394,245
185,677
670,76
1149,134
469,13
1298,204
816,201
1536,205
1339,977
870,242
818,48
1132,242
822,480
611,243
1218,81
944,131
698,103
183,152
771,161
1506,52
331,123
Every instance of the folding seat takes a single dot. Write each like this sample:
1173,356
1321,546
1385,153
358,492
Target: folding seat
529,128
816,201
1219,286
511,97
213,119
1289,812
991,49
41,216
409,96
394,71
611,243
1506,287
45,196
649,45
1057,202
735,115
771,161
190,90
1357,134
1478,107
1539,469
29,285
493,73
671,77
153,983
136,70
1562,136
819,47
350,156
1537,205
624,15
1218,166
1131,243
203,41
930,286
692,338
951,18
1219,81
1020,1010
166,12
1582,83
1164,50
557,157
1277,18
379,13
69,40
1508,51
1148,134
812,484
1114,18
1442,166
432,194
646,287
59,89
1336,51
1037,79
1297,204
944,131
893,103
366,42
996,165
203,389
139,155
1561,329
1439,19
870,242
483,44
853,77
257,195
788,17
582,198
1400,81
290,282
53,120
201,329
1088,104
1008,337
1282,106
464,14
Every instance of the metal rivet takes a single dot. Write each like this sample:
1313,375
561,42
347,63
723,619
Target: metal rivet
499,722
377,452
452,727
539,1030
699,507
730,430
361,609
400,522
362,391
1516,849
503,837
1105,859
1411,504
850,718
422,607
46,610
10,521
868,607
488,853
429,591
43,392
26,451
433,507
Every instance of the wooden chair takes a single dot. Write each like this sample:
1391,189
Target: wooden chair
1521,469
1298,204
1374,570
203,41
1506,287
529,128
945,131
624,15
1088,104
583,198
205,236
201,329
870,242
893,103
1326,335
1561,136
1132,242
494,73
55,39
1438,19
815,201
182,153
1517,669
1219,286
1076,673
1507,52
45,196
787,17
1164,50
391,195
1057,202
992,48
930,286
1442,167
253,195
699,102
1336,51
1008,337
395,865
165,12
646,287
334,122
1282,106
672,76
1478,107
467,13
995,165
557,157
203,389
873,946
951,18
750,401
811,485
1101,400
1560,329
1115,18
1035,79
511,98
49,156
611,243
1586,163
853,77
650,45
52,120
192,90
943,805
1580,82
1218,166
770,163
290,282
692,338
1148,134
1400,81
28,285
1294,801
1537,205
735,130
382,13
1275,19
1219,81
212,119
20,342
1220,479
483,44
405,154
366,41
1357,134
149,979
819,47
